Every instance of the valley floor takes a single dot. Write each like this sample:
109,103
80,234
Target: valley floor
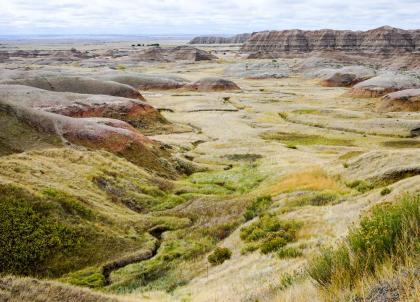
323,157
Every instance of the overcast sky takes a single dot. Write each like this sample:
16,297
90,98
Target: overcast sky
200,16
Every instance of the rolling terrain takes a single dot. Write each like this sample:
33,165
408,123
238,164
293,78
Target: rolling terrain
175,173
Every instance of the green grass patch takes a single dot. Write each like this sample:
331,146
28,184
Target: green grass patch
306,111
160,272
250,157
350,155
91,277
241,179
305,139
269,234
407,143
390,232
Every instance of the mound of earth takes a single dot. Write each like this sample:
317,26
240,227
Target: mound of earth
112,135
173,54
149,81
344,77
262,70
134,112
383,166
14,289
79,85
404,100
383,84
212,84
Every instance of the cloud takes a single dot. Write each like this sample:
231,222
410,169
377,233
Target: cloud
200,16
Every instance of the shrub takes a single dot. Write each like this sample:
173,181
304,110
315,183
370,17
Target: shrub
220,255
390,231
257,207
313,199
269,233
289,252
360,185
385,191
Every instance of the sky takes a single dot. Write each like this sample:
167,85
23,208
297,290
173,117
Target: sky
142,17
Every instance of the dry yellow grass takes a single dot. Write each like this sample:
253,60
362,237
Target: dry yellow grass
15,289
314,179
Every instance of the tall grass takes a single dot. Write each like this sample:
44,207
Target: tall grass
390,232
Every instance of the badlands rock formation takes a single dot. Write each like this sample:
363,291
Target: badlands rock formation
383,84
241,38
137,113
212,84
382,40
343,77
78,85
172,54
262,70
148,81
404,100
60,117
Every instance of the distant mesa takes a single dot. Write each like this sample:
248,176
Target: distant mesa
212,84
241,38
383,40
172,54
48,57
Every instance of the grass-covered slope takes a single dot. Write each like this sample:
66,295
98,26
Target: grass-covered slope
13,289
387,237
64,210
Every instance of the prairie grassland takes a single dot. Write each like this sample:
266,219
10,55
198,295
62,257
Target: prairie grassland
313,179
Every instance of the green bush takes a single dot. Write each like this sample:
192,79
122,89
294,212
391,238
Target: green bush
390,231
385,191
360,185
269,234
220,255
259,205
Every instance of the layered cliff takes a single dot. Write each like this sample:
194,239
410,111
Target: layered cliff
241,38
382,40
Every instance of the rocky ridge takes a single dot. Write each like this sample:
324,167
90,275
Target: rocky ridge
241,38
382,40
